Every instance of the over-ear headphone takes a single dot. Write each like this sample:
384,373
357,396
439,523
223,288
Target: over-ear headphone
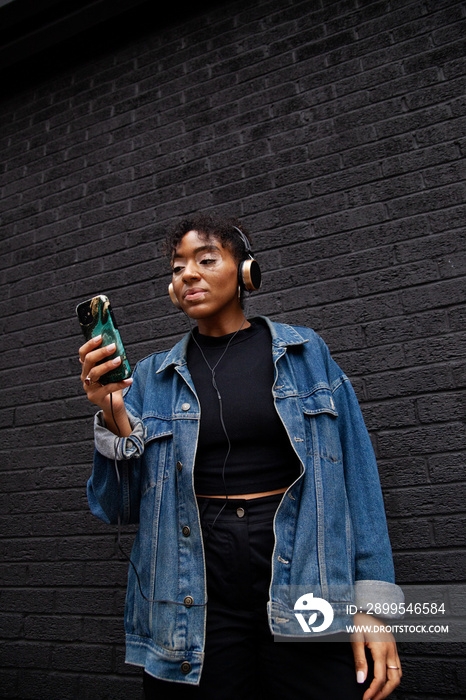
249,272
173,296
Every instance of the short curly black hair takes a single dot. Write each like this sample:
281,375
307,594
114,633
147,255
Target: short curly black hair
211,226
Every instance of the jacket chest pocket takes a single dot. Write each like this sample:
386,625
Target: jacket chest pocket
321,422
158,446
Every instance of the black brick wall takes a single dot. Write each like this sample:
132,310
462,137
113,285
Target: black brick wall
336,130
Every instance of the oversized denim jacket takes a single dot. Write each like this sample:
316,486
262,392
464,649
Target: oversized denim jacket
331,536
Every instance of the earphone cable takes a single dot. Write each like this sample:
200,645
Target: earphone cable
222,420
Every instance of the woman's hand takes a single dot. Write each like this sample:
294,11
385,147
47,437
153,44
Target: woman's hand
115,416
387,666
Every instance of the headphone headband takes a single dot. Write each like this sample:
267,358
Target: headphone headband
247,245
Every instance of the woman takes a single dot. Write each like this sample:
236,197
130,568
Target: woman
243,455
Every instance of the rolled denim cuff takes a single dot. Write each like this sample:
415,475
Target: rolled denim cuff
113,447
371,596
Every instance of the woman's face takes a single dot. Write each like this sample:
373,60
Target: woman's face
205,280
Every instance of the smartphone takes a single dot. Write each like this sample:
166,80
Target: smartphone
97,318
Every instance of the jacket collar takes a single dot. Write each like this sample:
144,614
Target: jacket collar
282,336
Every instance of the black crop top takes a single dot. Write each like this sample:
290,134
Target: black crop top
261,456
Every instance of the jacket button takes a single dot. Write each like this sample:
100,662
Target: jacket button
188,601
185,407
186,531
185,667
179,466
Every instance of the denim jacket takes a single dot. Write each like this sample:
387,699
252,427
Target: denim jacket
331,537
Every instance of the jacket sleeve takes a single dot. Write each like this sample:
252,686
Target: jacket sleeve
374,571
113,490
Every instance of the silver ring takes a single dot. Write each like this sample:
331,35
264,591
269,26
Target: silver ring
395,667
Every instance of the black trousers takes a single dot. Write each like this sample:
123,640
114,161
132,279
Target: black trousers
242,660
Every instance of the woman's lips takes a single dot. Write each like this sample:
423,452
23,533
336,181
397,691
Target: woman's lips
194,294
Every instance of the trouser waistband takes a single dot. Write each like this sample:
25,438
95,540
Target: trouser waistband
231,509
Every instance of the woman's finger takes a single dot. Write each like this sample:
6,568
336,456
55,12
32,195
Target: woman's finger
387,670
92,358
97,371
360,661
379,680
88,346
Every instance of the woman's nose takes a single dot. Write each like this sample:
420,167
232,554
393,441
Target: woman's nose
190,271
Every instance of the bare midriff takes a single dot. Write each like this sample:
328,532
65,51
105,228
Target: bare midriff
246,496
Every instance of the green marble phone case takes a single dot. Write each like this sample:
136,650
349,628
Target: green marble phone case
96,318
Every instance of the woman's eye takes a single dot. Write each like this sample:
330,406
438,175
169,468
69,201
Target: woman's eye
176,269
208,261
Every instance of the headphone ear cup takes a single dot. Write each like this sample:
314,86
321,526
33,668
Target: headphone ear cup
173,296
249,274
